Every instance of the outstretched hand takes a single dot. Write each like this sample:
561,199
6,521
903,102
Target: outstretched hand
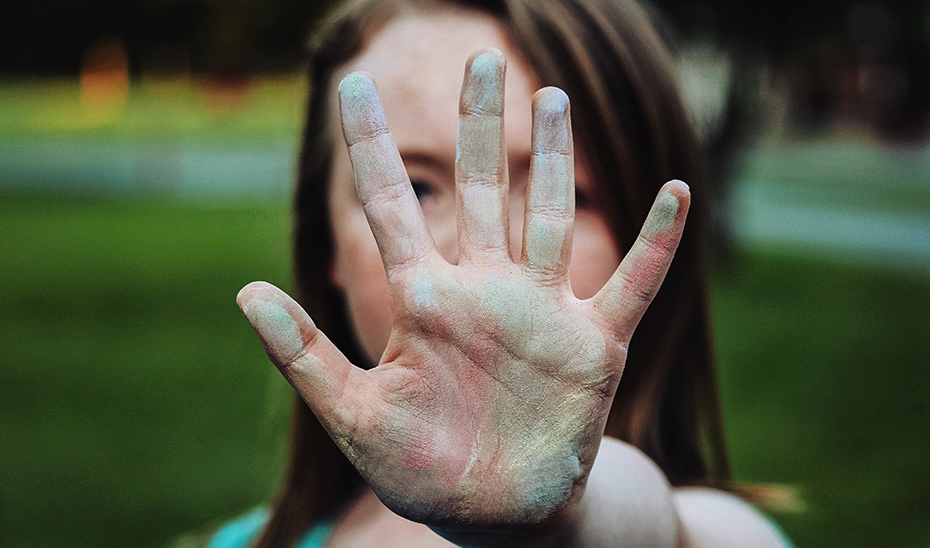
491,398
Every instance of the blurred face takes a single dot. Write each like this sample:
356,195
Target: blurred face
417,62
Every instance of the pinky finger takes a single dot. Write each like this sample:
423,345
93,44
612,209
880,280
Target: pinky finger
628,293
320,373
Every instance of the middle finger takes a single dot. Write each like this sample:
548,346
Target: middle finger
481,161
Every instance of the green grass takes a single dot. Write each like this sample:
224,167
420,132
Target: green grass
136,404
825,385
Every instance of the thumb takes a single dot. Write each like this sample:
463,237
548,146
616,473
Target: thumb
304,355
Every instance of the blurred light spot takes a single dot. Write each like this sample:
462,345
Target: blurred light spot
705,74
104,79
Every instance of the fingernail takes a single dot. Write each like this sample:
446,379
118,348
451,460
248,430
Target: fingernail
362,113
551,127
483,88
680,182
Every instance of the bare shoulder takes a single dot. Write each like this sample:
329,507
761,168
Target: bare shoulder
715,519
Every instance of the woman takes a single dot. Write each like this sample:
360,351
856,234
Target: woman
497,366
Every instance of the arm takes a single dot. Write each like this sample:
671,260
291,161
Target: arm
488,408
628,502
714,519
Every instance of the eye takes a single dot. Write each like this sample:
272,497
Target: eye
422,189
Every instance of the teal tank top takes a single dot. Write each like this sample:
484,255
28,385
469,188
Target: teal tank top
240,532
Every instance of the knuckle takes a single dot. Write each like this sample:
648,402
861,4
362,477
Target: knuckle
367,134
479,179
385,194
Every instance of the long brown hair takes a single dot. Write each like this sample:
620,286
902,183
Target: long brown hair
629,119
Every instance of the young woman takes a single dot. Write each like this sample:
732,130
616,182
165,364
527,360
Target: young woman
462,382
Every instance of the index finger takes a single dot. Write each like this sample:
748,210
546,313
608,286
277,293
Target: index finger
389,201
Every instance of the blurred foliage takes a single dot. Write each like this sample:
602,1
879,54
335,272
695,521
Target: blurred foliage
136,405
829,60
49,36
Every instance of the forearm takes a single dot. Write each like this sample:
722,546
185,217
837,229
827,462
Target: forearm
627,503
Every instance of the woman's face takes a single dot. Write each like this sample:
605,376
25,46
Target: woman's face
417,62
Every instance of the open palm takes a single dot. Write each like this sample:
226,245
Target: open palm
491,397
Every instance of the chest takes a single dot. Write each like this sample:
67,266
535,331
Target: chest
385,532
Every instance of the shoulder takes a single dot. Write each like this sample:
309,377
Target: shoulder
715,519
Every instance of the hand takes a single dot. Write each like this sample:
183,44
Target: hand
490,401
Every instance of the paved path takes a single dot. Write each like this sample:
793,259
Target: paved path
766,215
856,203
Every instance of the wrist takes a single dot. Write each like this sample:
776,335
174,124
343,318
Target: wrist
556,529
522,536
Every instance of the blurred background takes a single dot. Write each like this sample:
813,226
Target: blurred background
146,160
